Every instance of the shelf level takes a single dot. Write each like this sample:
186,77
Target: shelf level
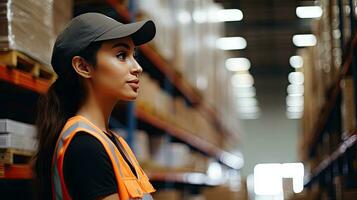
340,151
191,139
15,171
24,79
335,90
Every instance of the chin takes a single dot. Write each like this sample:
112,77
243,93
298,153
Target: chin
131,97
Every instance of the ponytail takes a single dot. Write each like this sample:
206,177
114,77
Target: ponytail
62,101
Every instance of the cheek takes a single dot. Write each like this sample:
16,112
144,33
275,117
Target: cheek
111,75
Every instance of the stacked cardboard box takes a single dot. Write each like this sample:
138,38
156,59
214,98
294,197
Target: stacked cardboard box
348,107
175,111
30,26
17,135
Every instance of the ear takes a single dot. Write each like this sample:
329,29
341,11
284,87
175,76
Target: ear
82,67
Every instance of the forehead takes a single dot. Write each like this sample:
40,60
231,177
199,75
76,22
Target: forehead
127,41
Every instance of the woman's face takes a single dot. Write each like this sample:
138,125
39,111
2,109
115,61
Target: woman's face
117,73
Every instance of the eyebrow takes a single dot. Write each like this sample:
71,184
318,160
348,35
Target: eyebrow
121,45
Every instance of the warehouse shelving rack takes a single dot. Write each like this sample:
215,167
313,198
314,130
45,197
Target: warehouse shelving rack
340,161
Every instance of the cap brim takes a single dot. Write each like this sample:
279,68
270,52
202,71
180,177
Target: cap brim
140,32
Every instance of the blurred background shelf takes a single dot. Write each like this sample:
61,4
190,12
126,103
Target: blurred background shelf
332,95
24,79
332,159
15,171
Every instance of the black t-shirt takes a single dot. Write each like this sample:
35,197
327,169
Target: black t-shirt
87,169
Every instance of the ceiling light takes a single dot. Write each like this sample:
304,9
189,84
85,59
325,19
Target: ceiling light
294,100
231,43
267,179
296,78
294,115
304,40
296,61
242,80
249,109
237,64
244,102
295,89
309,11
227,15
184,17
244,92
295,109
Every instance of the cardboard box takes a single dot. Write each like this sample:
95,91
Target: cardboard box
11,126
30,26
348,106
17,141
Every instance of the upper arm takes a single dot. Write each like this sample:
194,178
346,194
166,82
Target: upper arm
88,171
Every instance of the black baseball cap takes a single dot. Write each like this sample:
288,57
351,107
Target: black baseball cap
92,27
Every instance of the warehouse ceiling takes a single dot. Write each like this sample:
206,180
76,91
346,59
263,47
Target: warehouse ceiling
268,27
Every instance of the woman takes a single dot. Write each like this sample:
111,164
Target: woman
78,156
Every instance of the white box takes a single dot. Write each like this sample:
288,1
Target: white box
11,126
16,141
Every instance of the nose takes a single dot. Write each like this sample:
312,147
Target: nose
136,70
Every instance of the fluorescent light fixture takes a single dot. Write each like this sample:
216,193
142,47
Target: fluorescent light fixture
294,100
231,43
294,115
304,40
295,109
267,179
227,15
309,11
249,109
296,61
184,17
245,102
237,64
296,78
295,89
242,80
244,92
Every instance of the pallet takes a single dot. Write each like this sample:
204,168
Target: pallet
15,156
20,61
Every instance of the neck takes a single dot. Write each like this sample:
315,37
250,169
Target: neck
97,108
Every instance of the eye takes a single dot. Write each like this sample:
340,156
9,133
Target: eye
121,56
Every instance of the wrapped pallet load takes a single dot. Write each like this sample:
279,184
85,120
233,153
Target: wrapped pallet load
30,26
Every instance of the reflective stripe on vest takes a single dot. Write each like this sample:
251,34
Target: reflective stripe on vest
129,186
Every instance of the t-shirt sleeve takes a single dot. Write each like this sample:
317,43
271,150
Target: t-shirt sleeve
87,169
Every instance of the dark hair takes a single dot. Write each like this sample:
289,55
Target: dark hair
62,101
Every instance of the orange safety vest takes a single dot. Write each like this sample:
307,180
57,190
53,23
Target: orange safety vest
129,186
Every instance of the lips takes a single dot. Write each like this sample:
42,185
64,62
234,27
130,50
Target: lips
134,84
